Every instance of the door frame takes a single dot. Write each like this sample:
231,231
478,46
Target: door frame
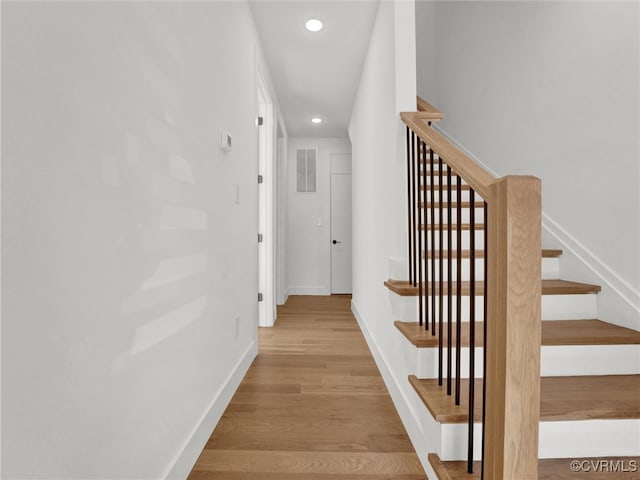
266,210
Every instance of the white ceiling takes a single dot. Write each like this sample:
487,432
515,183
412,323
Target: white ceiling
315,74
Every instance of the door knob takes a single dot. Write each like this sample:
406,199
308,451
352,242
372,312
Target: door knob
335,241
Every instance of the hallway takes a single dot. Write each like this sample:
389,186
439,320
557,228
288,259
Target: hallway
312,406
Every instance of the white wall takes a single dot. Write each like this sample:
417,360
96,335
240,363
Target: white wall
127,254
425,29
551,89
309,242
387,87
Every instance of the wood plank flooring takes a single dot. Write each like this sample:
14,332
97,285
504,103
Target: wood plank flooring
312,406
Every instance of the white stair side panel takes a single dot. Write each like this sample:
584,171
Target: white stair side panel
430,428
413,357
556,361
589,438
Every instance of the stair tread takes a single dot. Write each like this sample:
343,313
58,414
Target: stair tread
548,469
554,333
561,398
587,332
549,287
546,253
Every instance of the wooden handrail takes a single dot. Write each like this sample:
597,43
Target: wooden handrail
472,173
428,112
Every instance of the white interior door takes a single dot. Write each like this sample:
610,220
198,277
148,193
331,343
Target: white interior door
340,233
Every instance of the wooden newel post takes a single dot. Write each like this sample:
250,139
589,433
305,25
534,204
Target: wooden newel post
513,329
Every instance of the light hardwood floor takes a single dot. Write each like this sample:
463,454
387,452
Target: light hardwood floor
312,406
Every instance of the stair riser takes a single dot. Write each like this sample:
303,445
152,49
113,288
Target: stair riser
436,178
589,438
464,194
550,268
554,307
398,268
405,309
427,363
466,240
465,217
566,439
555,361
569,307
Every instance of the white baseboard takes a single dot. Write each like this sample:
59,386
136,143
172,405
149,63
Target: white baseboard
408,416
189,454
618,301
282,299
285,297
309,291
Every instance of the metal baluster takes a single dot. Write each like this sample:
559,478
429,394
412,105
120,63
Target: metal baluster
472,324
425,259
458,284
419,232
433,251
440,274
449,289
484,333
414,179
409,208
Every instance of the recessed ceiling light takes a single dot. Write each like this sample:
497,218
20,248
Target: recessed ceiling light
316,120
314,25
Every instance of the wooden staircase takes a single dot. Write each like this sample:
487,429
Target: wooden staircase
590,369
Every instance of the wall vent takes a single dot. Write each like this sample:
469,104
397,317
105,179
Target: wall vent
306,170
